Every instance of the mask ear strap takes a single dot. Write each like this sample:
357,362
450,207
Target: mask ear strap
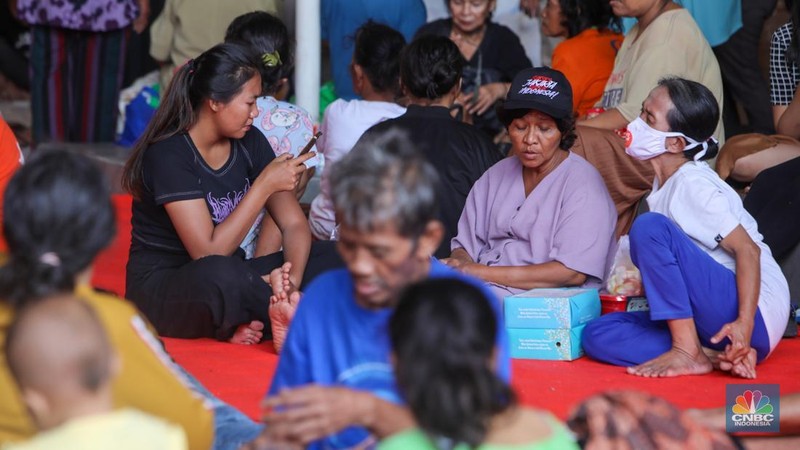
703,152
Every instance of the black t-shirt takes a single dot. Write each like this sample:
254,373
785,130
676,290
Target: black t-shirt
498,58
173,170
459,152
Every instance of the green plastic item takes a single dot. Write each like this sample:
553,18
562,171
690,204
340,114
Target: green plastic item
327,95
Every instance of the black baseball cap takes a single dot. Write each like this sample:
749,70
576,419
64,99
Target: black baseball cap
541,89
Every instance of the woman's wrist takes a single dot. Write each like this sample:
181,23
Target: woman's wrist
747,321
263,186
472,268
502,90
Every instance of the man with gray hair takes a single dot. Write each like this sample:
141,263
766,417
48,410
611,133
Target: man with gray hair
384,194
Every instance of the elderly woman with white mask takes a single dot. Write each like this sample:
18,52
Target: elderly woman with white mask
718,299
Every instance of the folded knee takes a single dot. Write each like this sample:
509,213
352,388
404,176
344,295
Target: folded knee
595,334
648,225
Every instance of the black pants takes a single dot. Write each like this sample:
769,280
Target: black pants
211,296
774,201
741,73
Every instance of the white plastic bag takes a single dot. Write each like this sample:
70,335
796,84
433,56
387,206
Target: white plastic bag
624,278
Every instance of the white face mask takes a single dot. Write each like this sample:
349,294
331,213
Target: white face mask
644,142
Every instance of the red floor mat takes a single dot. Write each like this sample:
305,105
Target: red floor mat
109,267
241,374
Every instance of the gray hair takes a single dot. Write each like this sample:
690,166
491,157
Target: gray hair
383,180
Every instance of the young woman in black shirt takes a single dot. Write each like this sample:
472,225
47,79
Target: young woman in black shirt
200,175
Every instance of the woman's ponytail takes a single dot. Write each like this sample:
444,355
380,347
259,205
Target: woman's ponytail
57,216
174,113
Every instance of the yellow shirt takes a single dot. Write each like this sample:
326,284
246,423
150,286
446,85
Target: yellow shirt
125,429
146,382
187,28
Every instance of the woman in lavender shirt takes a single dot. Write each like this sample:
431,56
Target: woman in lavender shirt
541,217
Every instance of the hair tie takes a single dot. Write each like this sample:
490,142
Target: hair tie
271,59
50,259
191,65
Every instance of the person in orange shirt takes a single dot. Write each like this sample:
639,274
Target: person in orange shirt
587,55
10,160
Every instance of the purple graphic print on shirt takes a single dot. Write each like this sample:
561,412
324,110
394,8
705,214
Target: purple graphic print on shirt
222,207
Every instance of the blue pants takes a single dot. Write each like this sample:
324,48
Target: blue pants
681,281
232,429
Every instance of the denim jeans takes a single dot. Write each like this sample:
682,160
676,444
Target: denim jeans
231,427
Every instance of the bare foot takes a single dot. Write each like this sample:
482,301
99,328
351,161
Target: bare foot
279,281
248,333
674,363
281,312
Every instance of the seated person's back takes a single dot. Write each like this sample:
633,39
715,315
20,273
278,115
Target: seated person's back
443,335
63,362
430,72
376,78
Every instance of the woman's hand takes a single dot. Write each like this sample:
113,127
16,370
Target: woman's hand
739,332
458,259
487,95
283,173
305,177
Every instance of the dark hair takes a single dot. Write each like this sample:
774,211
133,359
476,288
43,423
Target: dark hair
443,334
265,34
582,14
57,216
385,179
793,50
430,66
695,114
566,125
377,51
218,74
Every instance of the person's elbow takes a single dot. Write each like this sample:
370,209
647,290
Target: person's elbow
575,278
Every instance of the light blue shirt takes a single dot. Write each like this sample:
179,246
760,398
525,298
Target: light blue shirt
340,20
